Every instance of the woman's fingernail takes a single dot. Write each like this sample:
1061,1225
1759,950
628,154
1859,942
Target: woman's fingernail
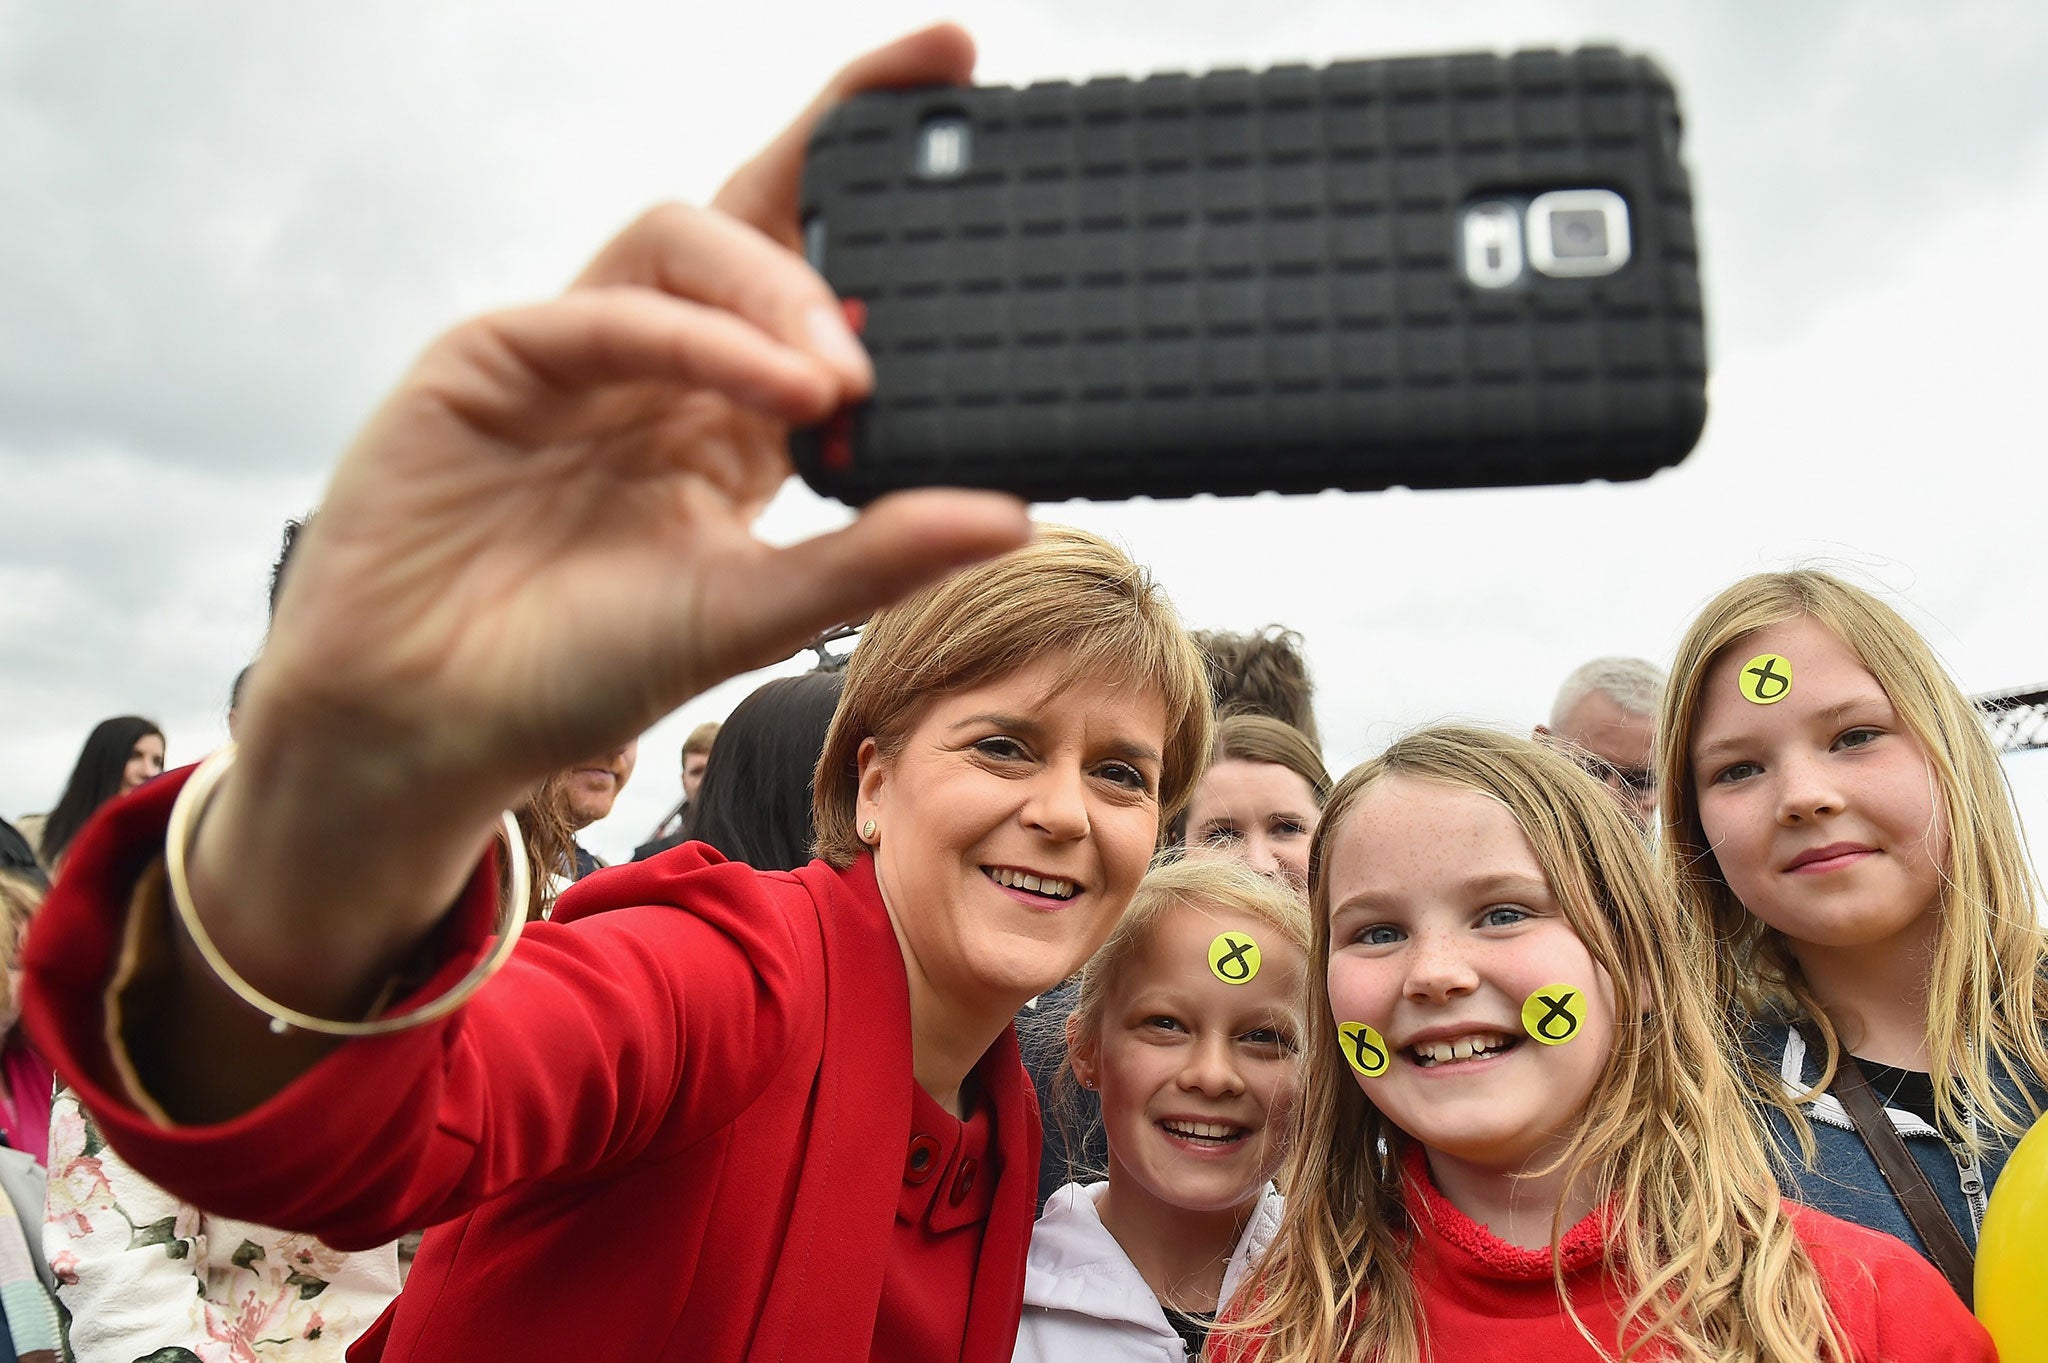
836,343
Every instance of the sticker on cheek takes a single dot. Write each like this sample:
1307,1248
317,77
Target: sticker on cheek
1234,958
1364,1047
1555,1013
1766,679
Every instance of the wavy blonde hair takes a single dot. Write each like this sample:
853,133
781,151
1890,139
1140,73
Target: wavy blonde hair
1986,1004
1710,1262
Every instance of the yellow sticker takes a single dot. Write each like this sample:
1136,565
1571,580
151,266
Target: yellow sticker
1555,1013
1234,958
1766,679
1364,1047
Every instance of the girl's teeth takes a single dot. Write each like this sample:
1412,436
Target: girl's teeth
1464,1048
1206,1130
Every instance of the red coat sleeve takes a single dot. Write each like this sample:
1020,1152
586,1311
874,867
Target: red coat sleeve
1894,1305
639,1028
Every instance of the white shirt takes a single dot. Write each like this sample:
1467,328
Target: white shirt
1086,1302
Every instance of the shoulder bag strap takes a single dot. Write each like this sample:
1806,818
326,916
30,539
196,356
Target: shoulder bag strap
1908,1180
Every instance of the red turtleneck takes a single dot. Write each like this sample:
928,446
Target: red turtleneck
1485,1299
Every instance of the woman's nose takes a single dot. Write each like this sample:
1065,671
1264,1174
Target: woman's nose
1059,804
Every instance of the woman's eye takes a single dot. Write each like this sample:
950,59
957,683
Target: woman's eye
1000,746
1125,775
1857,738
1503,916
1221,835
1735,772
1289,828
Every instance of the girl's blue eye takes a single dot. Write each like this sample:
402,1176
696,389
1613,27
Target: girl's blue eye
1504,915
1378,935
1270,1036
1290,828
1163,1023
1857,738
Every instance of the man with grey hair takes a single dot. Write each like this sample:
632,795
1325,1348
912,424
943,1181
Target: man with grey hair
1605,718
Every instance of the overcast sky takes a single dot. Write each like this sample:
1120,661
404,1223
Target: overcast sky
228,226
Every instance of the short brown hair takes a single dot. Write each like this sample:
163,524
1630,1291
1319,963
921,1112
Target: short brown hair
1261,673
701,738
1067,592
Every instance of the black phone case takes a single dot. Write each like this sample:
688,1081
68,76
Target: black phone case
1243,282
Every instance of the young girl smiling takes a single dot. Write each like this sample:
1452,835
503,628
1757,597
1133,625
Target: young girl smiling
1186,1025
1520,1136
1839,822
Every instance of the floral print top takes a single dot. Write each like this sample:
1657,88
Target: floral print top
145,1276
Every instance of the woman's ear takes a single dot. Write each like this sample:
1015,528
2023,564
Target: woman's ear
872,770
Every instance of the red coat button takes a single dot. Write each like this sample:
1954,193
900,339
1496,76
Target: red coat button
923,1160
963,1182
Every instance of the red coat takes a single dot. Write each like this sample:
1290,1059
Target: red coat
673,1128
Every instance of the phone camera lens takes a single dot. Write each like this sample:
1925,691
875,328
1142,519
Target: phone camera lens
1578,232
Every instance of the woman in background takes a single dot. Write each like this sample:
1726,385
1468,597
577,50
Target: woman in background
28,1317
1261,798
755,803
119,755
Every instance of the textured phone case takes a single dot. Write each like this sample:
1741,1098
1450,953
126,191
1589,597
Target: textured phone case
1240,282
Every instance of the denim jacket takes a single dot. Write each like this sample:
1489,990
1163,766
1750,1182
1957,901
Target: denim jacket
1843,1179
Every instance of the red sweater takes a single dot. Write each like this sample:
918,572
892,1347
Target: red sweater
674,1127
1485,1299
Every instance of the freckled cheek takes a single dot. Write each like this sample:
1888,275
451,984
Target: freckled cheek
1359,993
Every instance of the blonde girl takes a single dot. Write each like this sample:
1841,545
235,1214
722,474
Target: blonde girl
1187,1025
1460,1189
1839,827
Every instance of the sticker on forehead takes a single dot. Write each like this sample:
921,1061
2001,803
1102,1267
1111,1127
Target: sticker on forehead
1766,679
1364,1047
1554,1013
1234,958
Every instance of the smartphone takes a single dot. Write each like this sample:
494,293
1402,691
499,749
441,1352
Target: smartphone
1455,271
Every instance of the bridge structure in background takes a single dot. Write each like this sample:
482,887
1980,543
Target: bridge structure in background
2018,720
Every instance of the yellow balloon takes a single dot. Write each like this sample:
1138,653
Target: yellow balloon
2012,1270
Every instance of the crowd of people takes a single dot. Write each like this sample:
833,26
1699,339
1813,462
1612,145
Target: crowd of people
1025,987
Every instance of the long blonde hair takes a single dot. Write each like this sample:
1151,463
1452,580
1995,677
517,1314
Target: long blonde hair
1986,1001
1701,1245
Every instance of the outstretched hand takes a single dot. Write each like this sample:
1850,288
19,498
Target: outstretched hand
542,542
539,545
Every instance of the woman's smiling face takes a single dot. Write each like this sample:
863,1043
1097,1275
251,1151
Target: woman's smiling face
1013,826
1442,926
